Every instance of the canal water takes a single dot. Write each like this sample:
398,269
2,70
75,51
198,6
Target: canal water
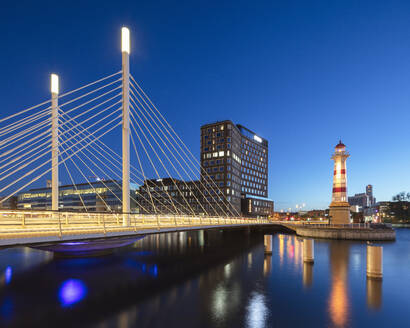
207,279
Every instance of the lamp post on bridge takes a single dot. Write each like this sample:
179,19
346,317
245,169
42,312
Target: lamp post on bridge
125,49
54,141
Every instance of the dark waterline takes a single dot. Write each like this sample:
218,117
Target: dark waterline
207,279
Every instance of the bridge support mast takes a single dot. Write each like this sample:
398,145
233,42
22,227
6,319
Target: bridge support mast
125,49
54,141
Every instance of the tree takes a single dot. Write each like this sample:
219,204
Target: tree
401,197
399,208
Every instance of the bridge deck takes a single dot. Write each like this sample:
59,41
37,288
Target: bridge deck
21,228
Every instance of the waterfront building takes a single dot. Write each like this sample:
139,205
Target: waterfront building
9,204
236,160
168,195
233,181
339,208
363,200
97,196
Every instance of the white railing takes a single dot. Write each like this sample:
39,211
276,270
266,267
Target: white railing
343,226
17,221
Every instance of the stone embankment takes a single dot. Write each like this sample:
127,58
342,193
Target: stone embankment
375,233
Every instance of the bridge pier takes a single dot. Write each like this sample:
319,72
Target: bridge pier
308,251
374,262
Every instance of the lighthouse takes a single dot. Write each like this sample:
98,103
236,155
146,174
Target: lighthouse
339,207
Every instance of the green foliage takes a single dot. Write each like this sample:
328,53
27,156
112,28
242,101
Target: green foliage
399,208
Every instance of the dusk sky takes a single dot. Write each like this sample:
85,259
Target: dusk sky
301,74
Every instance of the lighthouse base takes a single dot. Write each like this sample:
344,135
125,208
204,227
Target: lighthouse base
339,213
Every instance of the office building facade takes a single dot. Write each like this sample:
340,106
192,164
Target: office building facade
363,200
236,160
98,196
165,196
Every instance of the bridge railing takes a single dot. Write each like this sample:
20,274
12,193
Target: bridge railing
342,226
69,222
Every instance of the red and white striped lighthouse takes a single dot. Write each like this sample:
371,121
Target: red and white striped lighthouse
339,208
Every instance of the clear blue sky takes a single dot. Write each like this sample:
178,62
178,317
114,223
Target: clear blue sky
300,73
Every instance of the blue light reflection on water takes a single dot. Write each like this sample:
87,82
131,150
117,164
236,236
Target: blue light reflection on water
8,275
6,309
151,270
73,243
71,291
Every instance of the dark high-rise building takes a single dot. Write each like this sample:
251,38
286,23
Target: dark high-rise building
236,160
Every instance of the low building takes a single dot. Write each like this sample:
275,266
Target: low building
98,196
257,207
8,204
168,195
316,214
363,200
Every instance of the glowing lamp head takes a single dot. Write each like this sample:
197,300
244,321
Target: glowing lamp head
125,40
340,146
54,84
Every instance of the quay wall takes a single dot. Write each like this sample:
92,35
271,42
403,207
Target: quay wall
347,234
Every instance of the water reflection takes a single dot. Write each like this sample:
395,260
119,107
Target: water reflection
290,250
22,258
307,274
281,248
256,311
198,279
5,278
71,291
267,265
338,299
374,293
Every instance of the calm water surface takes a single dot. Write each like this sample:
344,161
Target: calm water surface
207,279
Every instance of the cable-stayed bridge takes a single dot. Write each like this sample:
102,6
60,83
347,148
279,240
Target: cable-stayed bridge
152,182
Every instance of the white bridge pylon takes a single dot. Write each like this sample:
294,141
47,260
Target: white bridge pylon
66,137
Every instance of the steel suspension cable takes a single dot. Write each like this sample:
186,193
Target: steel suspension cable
88,85
27,120
26,151
33,170
182,179
93,162
152,164
39,176
91,185
24,111
89,93
210,193
158,157
75,186
24,134
109,161
183,168
94,107
81,152
180,140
